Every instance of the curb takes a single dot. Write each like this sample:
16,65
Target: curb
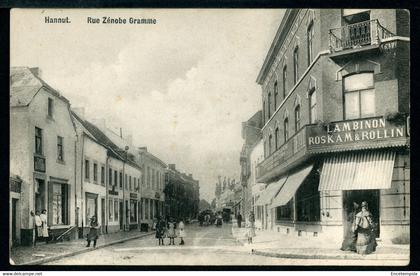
403,257
84,250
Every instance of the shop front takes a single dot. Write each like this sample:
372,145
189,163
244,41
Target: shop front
133,211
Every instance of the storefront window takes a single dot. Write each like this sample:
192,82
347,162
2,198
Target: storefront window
359,96
90,207
147,209
59,204
285,212
308,199
110,209
133,211
116,210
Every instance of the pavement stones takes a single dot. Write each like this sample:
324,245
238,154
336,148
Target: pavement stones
43,253
273,244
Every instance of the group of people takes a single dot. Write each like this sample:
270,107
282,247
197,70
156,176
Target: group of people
41,226
361,234
170,229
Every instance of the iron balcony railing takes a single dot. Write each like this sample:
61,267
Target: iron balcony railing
357,35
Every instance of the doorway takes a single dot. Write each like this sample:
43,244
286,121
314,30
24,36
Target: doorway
121,215
103,215
372,197
14,222
39,195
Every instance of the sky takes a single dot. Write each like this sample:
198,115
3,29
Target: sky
181,87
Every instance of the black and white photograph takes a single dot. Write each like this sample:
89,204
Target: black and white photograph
209,137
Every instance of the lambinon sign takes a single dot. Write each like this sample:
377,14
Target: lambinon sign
355,134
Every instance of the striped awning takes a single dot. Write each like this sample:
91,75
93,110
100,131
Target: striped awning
270,192
358,171
290,187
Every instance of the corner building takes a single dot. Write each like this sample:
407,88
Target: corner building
335,93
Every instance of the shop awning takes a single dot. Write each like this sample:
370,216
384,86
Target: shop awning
290,187
358,171
270,192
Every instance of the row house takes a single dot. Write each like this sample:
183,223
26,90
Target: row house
182,195
42,154
251,133
152,184
335,90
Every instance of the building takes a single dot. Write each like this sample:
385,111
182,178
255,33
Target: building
182,195
152,187
335,90
251,133
42,153
255,157
118,173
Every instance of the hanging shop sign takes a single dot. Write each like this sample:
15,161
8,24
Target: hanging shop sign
355,134
133,195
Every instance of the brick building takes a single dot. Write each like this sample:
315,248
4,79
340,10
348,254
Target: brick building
335,90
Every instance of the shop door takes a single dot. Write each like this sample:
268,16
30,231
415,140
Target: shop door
358,196
121,215
39,195
14,221
103,215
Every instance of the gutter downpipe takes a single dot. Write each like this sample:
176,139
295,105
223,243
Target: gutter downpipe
81,178
76,219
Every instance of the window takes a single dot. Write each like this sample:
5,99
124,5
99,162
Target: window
147,209
359,96
133,210
308,199
264,112
59,204
115,178
116,214
126,182
151,208
50,107
153,178
38,140
102,175
270,143
276,137
110,177
121,180
148,177
286,129
297,118
157,179
285,212
312,106
142,179
91,206
95,172
296,65
269,105
130,182
284,81
60,148
87,170
110,209
276,94
309,37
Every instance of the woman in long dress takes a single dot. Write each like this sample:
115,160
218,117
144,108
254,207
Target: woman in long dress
44,229
93,232
349,242
366,242
181,232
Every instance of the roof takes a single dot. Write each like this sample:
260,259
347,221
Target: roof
113,150
151,156
24,85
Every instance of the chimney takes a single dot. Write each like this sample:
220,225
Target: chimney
80,111
143,149
36,71
171,166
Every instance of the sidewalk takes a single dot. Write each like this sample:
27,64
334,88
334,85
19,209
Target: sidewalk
273,244
42,253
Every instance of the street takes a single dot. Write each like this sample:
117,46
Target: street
203,246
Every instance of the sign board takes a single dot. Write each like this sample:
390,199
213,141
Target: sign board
113,192
133,195
355,134
39,164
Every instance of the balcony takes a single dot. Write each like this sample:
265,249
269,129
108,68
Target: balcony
357,37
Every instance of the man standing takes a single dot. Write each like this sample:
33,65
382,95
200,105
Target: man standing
239,219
